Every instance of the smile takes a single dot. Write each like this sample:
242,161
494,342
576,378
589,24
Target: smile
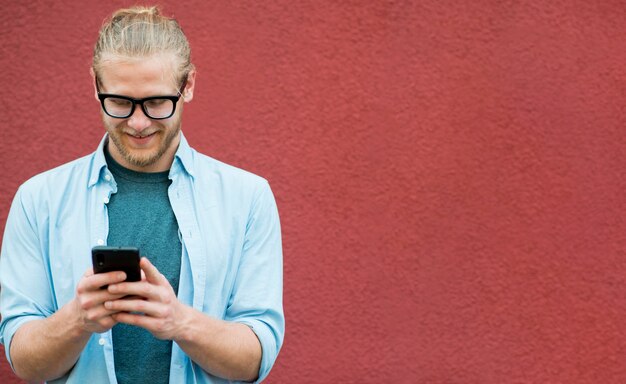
141,136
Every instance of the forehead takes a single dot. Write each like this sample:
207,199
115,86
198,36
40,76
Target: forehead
138,76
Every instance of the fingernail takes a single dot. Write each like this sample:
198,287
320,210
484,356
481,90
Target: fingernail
121,276
108,304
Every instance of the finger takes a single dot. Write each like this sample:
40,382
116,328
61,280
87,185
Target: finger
98,280
145,322
91,299
141,288
88,272
100,312
152,273
149,308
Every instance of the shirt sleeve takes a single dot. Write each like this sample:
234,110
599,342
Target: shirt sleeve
257,295
25,292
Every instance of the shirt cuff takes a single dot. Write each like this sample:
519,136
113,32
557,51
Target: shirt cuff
269,351
10,327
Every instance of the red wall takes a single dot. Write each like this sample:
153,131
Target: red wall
450,175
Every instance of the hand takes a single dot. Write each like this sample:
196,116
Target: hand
90,299
162,313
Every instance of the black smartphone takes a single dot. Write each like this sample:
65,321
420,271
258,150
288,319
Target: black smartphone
108,259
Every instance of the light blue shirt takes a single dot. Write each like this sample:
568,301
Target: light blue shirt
231,259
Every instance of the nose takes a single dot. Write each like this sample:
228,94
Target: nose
138,120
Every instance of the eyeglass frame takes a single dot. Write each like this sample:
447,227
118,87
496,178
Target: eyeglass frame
174,99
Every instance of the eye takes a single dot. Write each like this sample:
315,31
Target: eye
154,103
119,102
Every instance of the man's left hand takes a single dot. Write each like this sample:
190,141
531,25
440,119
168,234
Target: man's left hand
154,297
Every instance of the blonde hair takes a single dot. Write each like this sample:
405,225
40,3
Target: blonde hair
140,32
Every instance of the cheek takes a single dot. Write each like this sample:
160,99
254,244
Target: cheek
164,126
111,124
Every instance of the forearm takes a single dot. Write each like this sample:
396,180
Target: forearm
46,349
225,349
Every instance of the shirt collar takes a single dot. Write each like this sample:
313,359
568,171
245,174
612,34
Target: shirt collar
98,163
183,160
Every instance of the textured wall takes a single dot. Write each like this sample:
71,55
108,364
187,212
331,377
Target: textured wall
450,175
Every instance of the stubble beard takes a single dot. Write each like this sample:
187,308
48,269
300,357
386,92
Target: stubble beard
136,159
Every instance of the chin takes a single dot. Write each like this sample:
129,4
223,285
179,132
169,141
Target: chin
148,155
143,160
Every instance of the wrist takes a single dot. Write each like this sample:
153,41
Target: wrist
72,318
184,333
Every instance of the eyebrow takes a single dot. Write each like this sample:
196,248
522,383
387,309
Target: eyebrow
182,86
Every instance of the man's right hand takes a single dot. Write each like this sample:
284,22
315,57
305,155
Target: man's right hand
46,349
90,298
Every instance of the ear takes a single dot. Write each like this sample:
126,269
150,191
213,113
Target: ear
93,78
189,87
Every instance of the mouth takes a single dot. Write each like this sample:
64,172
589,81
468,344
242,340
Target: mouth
142,139
140,135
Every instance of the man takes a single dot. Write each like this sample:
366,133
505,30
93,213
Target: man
209,305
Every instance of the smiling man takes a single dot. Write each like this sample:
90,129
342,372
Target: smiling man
208,308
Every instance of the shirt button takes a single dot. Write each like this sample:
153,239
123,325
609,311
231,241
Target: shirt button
106,200
107,177
101,341
100,242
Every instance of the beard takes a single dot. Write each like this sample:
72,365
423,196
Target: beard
139,157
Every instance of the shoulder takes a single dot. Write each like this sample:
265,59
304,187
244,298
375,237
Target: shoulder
57,180
233,189
207,170
213,170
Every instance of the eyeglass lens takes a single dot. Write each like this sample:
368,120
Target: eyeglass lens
155,108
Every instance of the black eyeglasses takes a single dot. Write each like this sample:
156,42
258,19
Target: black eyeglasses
155,107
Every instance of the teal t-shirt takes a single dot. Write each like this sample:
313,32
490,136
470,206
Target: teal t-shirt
140,215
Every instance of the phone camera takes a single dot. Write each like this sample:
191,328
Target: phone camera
100,259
